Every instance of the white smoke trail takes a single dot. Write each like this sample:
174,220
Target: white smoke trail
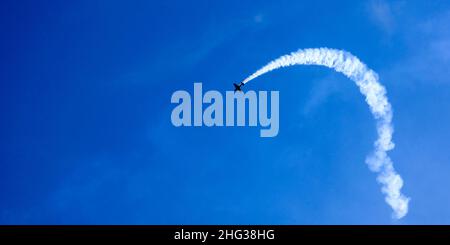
375,93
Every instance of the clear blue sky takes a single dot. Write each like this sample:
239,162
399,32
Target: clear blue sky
86,137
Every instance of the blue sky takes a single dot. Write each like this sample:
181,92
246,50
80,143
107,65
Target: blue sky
86,137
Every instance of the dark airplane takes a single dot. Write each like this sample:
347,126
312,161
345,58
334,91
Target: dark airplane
238,87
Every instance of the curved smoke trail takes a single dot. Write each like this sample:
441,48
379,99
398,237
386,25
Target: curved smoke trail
375,93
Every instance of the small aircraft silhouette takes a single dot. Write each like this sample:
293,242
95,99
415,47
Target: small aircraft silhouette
238,87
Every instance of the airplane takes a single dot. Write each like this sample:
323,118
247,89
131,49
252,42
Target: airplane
238,87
